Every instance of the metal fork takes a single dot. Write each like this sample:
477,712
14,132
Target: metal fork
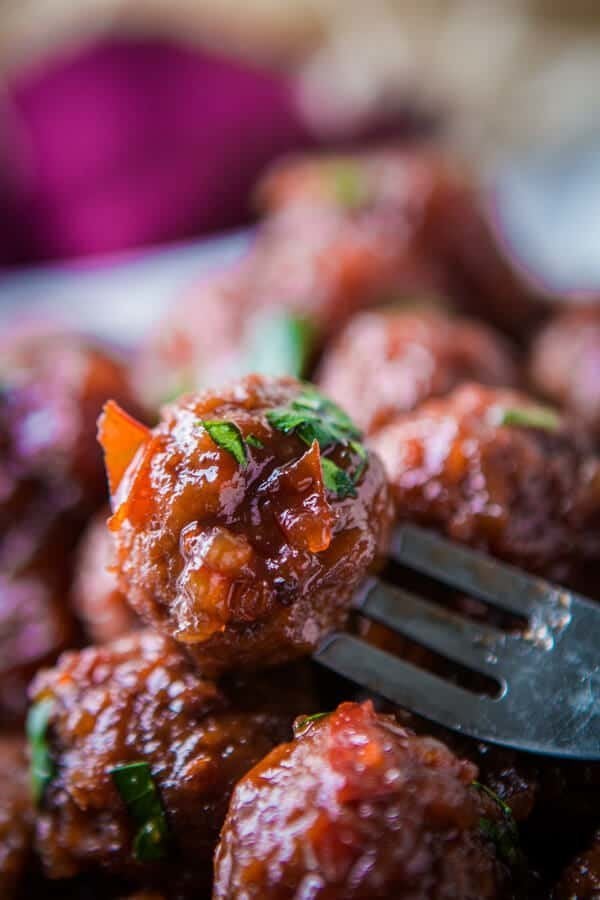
548,675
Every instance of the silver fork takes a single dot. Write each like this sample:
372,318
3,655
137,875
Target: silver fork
548,675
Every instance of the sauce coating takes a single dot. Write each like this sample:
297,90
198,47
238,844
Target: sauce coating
246,561
528,495
140,699
357,807
389,361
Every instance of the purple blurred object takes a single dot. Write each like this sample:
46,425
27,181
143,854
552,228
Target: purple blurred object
129,143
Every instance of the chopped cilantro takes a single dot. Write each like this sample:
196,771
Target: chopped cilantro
314,418
138,791
337,480
280,343
349,185
253,441
302,723
42,765
531,417
229,437
504,834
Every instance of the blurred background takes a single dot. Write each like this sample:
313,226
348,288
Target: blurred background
135,124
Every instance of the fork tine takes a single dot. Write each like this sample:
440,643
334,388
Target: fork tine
467,570
404,684
454,637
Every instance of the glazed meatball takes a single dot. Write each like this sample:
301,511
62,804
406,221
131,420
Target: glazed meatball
198,342
53,386
15,816
581,880
493,470
426,218
389,361
565,364
358,807
100,606
35,626
245,520
139,702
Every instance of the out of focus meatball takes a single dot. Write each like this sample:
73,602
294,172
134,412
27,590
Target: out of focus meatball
245,520
197,344
35,626
426,219
101,607
135,719
16,816
53,385
388,361
581,880
358,807
493,470
565,364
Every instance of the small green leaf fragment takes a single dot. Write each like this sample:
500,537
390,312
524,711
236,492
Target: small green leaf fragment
138,791
349,184
504,834
42,765
228,436
253,441
541,417
336,480
303,723
280,343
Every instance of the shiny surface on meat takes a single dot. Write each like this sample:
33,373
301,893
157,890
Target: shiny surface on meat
357,807
140,699
389,361
247,563
529,495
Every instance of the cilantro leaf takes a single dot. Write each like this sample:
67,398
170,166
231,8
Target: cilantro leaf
337,480
302,723
504,834
314,418
253,441
348,182
229,437
280,343
530,417
138,791
42,764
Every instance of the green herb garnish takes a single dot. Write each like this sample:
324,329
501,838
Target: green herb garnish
229,437
253,441
531,417
337,480
304,722
314,418
504,834
348,182
138,791
42,764
280,343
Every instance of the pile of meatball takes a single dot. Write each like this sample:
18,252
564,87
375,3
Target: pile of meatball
180,528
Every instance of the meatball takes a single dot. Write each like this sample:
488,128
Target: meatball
491,469
245,520
136,718
53,387
357,806
565,364
389,361
581,880
35,626
15,816
197,344
101,607
428,222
